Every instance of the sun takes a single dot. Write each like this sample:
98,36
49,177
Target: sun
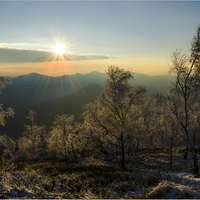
59,49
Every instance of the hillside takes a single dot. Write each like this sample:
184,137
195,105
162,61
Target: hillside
70,104
50,96
47,110
34,88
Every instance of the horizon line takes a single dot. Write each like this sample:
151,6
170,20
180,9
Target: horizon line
79,73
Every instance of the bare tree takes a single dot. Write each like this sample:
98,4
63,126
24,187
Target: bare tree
195,121
93,138
150,114
171,129
187,86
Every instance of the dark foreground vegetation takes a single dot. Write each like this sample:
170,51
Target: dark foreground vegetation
147,175
127,145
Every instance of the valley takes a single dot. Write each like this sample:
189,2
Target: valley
50,96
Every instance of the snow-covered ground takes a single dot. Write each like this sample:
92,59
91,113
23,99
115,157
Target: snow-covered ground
34,185
177,186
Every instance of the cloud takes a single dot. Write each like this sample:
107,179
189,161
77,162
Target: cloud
10,55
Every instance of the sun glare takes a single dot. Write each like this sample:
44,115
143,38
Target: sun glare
59,49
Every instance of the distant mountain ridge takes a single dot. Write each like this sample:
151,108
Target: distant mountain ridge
50,96
33,88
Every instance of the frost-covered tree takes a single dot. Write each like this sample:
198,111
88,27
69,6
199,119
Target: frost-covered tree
171,130
43,143
3,82
62,135
7,146
9,112
194,122
186,87
111,111
148,115
83,140
32,132
94,140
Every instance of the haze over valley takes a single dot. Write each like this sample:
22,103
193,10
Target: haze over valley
50,96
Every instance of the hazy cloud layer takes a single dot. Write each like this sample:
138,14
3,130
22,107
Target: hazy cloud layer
15,55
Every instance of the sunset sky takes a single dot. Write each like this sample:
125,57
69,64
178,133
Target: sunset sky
132,35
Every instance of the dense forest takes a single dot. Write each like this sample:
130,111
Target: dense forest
120,135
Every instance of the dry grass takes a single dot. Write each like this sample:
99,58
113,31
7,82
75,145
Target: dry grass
159,160
93,179
170,190
82,181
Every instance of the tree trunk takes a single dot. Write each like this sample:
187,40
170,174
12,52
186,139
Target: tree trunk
136,149
16,147
65,148
73,151
194,138
33,148
194,157
129,146
186,153
151,140
171,145
122,152
194,150
195,162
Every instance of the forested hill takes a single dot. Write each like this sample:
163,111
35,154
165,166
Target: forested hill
47,110
33,88
50,96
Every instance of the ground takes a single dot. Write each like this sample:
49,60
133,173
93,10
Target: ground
147,175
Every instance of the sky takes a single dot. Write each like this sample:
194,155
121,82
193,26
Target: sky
135,35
